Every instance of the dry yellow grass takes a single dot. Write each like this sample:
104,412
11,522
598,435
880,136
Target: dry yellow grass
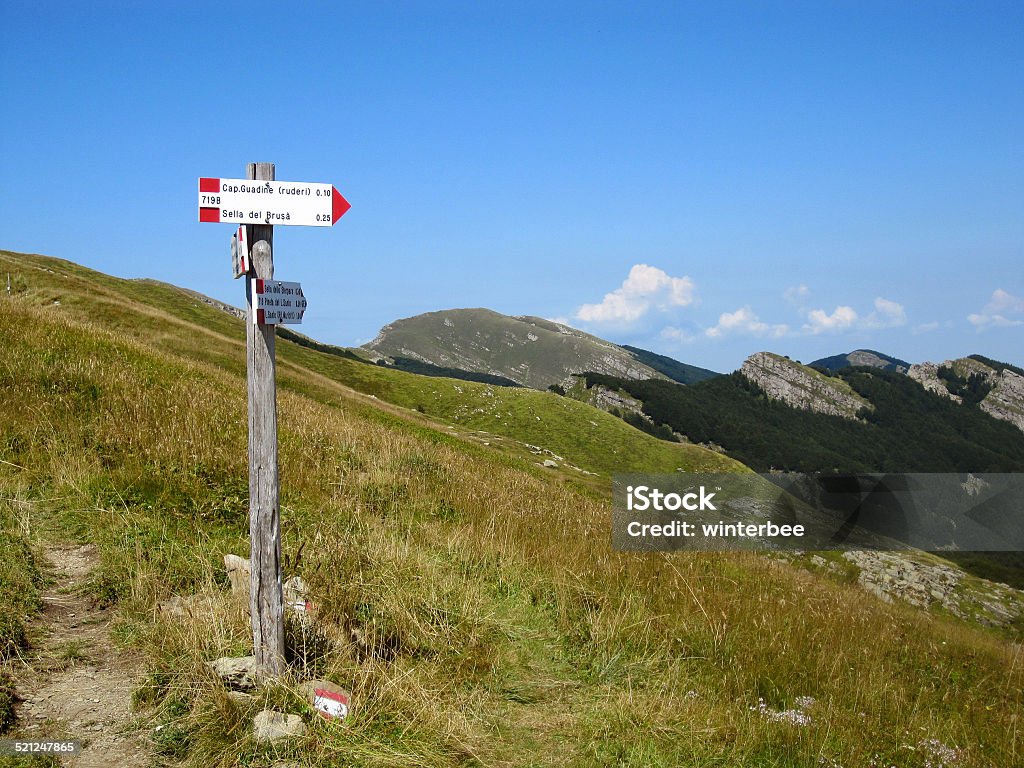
471,603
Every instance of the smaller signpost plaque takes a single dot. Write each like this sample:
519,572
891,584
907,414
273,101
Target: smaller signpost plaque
240,253
277,301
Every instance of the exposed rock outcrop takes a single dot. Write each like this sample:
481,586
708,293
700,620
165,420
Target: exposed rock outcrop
801,387
606,399
1005,400
902,576
927,375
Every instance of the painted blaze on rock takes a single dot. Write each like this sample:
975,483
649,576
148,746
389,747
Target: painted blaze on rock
332,701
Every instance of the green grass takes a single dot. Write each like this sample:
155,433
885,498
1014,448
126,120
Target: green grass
169,319
468,599
20,576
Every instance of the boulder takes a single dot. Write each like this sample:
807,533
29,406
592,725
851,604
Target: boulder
270,725
238,572
239,673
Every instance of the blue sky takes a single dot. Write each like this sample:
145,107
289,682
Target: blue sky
702,179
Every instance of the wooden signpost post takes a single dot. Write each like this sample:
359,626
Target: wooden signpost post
259,202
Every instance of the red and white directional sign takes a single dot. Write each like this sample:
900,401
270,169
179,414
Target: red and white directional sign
276,301
244,201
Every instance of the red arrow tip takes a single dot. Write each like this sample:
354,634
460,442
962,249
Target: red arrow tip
339,206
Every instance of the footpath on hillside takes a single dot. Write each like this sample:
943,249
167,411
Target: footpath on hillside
79,685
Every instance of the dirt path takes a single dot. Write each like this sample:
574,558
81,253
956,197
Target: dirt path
80,687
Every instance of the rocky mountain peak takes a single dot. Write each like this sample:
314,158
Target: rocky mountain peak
1004,398
797,385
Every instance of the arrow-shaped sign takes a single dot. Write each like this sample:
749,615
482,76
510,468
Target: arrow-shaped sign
244,201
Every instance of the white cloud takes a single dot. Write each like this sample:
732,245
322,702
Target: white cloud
672,333
927,327
1002,301
841,319
982,321
996,314
887,314
796,294
645,288
744,321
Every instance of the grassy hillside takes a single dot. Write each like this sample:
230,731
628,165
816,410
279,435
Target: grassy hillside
468,599
174,321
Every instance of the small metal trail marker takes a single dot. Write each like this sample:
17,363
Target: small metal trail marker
258,203
240,256
277,301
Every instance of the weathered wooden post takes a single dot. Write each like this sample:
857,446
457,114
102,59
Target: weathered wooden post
266,604
258,206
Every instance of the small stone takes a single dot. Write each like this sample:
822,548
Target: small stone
238,572
240,699
550,464
237,673
270,725
175,608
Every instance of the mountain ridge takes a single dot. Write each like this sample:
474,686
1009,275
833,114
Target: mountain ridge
862,357
528,350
